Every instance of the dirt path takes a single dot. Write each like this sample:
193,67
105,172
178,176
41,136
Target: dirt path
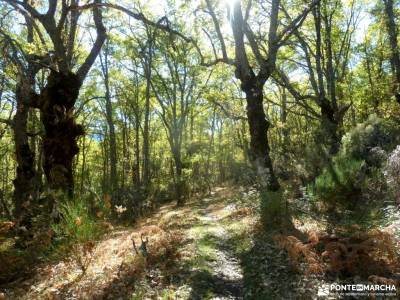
204,265
219,274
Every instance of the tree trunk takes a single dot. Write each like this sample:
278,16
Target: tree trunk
253,85
113,143
210,146
110,123
283,119
259,145
221,149
3,203
137,153
60,146
125,151
368,66
83,167
329,128
178,179
24,182
146,129
105,181
395,59
25,173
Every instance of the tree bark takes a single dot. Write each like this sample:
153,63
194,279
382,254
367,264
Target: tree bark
210,145
60,146
125,151
146,129
136,178
24,182
178,176
259,144
329,128
283,119
252,85
395,59
368,66
110,123
25,172
329,108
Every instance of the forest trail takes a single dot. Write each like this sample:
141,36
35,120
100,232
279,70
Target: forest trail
204,264
219,275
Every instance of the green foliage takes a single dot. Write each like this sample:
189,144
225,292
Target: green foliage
352,187
312,163
241,173
340,181
374,132
76,225
273,209
349,192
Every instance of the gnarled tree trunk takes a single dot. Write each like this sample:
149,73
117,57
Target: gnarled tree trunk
57,102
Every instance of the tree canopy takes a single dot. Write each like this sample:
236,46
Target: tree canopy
111,109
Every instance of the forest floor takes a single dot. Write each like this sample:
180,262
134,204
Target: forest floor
211,248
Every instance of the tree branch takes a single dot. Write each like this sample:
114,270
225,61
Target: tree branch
295,24
101,37
138,16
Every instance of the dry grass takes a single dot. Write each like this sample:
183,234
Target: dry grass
99,268
241,212
6,226
104,262
371,255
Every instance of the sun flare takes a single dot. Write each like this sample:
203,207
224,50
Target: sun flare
229,3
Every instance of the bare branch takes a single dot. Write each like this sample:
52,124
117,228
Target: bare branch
226,111
27,15
253,44
295,23
101,37
26,6
218,30
138,16
8,122
284,81
52,9
243,69
211,42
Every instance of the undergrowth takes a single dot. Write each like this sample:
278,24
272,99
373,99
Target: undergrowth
365,254
76,225
162,253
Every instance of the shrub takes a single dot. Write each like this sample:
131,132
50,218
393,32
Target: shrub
76,233
352,186
340,182
366,254
242,173
375,132
311,163
76,225
349,192
392,172
273,209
